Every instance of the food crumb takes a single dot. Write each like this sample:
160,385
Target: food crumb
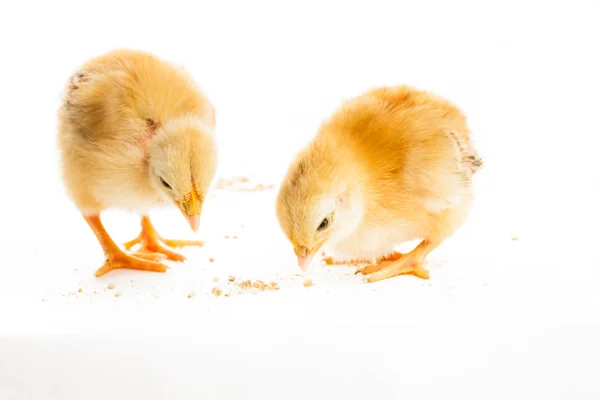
190,295
231,278
235,237
245,284
117,294
217,291
514,238
226,236
211,259
111,286
80,290
259,285
308,283
227,294
215,279
272,286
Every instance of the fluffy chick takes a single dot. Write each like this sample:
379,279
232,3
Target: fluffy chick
392,165
135,133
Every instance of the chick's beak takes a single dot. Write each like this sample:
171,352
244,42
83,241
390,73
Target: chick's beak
304,256
194,221
191,207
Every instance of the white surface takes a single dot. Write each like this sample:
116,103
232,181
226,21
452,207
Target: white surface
498,319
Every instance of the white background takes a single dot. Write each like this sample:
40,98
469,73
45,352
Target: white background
498,319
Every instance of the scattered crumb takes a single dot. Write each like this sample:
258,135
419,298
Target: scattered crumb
94,292
217,291
272,286
117,294
259,285
80,290
111,286
227,294
245,284
241,184
235,237
514,238
226,236
215,279
231,278
308,283
190,295
211,259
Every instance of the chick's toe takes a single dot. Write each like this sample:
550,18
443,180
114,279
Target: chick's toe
389,269
182,243
120,259
411,263
148,256
151,242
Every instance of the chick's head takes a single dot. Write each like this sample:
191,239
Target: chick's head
182,164
318,205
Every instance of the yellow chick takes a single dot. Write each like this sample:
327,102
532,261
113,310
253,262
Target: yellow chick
135,133
392,165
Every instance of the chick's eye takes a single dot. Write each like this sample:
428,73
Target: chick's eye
165,184
324,224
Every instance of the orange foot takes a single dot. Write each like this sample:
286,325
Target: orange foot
151,242
143,262
411,263
117,258
392,257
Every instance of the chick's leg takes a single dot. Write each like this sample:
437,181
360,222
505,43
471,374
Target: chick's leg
151,242
411,263
117,258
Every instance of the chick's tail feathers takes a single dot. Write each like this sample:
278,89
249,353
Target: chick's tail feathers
466,155
83,107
